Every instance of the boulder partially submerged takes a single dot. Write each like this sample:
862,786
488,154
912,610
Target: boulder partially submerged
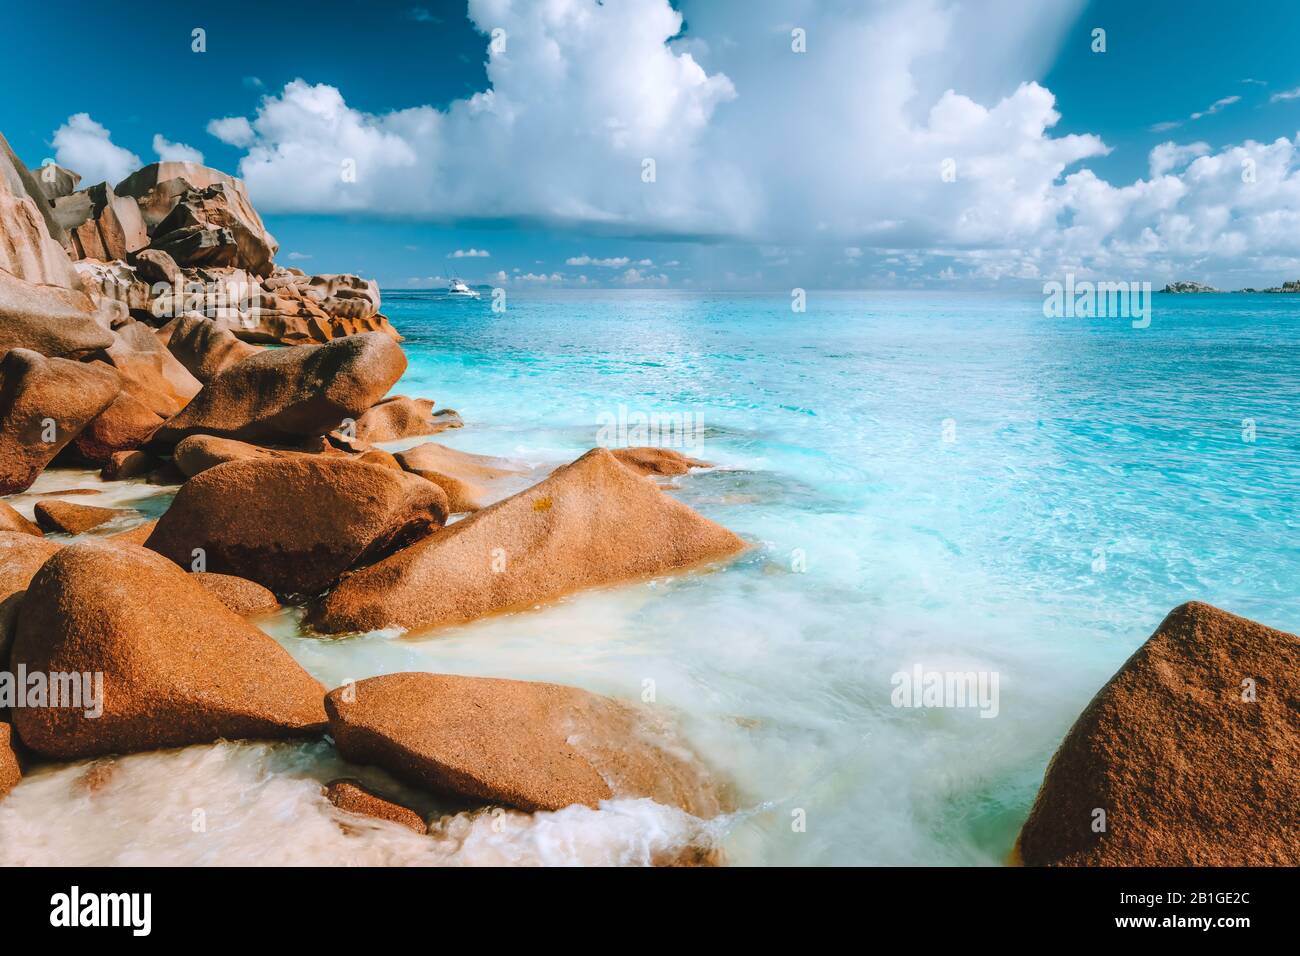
72,518
401,417
286,394
649,460
11,520
295,525
352,796
525,744
178,666
1189,756
469,480
590,524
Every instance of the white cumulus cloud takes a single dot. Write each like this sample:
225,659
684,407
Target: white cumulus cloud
169,152
86,147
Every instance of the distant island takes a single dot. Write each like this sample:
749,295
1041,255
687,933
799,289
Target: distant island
1292,285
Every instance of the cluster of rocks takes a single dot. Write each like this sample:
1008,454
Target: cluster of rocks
177,238
1290,286
285,497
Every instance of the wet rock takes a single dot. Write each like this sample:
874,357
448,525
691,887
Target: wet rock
525,744
11,520
657,461
399,417
178,667
72,518
469,480
351,796
1192,751
590,524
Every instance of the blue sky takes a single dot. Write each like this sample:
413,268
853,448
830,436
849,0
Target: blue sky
774,168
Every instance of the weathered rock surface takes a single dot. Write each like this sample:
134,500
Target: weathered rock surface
351,796
399,417
11,771
1192,750
469,480
72,518
204,347
21,556
128,464
31,239
649,460
215,226
201,452
285,394
294,525
241,595
124,426
179,667
135,536
47,319
525,744
11,520
149,372
45,398
590,524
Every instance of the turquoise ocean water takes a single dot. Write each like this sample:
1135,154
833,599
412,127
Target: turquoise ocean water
965,484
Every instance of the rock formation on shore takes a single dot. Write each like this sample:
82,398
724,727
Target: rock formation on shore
1189,756
1185,286
133,320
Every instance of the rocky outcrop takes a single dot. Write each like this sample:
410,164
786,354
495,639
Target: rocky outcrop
31,239
295,525
285,394
178,667
215,226
44,404
56,182
1189,756
649,460
1187,286
72,518
470,481
11,520
112,227
524,744
203,347
246,598
115,289
351,796
590,524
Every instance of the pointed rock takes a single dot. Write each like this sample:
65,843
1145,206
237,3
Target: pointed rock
178,666
590,524
1192,751
526,744
294,525
11,520
72,518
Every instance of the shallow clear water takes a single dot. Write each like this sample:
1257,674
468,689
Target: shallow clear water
969,485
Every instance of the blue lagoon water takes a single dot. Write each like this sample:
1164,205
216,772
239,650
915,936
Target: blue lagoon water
972,486
966,484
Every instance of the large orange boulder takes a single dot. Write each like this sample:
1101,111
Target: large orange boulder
44,404
149,372
178,667
48,319
1189,756
285,394
526,744
72,518
295,525
590,524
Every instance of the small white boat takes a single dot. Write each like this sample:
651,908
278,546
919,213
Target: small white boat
458,287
